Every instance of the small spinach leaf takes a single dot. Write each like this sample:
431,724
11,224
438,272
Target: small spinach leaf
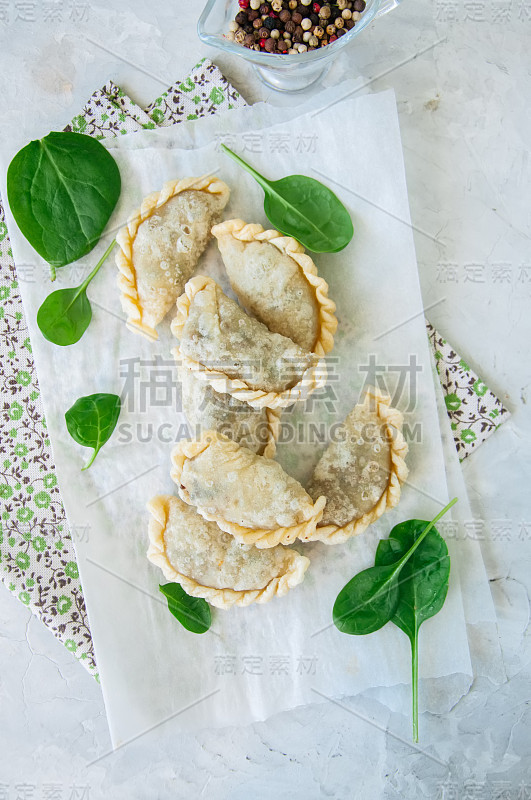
304,208
62,189
192,612
92,419
367,601
65,315
423,586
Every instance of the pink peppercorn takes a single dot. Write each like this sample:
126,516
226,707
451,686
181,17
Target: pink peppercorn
316,8
243,3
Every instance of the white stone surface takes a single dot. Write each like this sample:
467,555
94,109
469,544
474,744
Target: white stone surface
464,113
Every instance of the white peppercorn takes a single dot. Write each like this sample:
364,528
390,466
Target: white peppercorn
275,34
306,24
306,36
255,4
233,27
356,15
302,48
346,13
313,41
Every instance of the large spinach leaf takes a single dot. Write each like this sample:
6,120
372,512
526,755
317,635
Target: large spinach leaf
304,208
406,586
62,189
423,586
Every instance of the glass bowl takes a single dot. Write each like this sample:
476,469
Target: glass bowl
283,72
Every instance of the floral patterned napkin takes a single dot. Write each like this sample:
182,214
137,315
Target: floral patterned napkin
37,558
474,411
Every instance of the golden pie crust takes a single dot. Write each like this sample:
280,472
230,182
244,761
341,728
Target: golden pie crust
127,278
294,566
314,377
249,232
260,537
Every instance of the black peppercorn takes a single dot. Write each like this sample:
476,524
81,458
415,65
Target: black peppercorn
263,33
349,24
297,34
270,23
252,15
296,18
264,9
290,26
359,5
257,24
270,45
249,40
248,28
282,46
284,15
241,18
315,19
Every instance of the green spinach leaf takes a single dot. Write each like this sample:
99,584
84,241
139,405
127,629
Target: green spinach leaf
92,419
192,612
423,586
368,601
62,189
304,208
65,315
407,585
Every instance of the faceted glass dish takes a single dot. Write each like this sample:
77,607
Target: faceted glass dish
283,72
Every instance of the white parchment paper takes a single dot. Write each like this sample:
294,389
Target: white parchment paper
263,659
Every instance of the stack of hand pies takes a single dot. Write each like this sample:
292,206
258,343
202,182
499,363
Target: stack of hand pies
226,537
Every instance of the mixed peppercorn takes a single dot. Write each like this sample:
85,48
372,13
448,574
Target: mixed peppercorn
293,26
